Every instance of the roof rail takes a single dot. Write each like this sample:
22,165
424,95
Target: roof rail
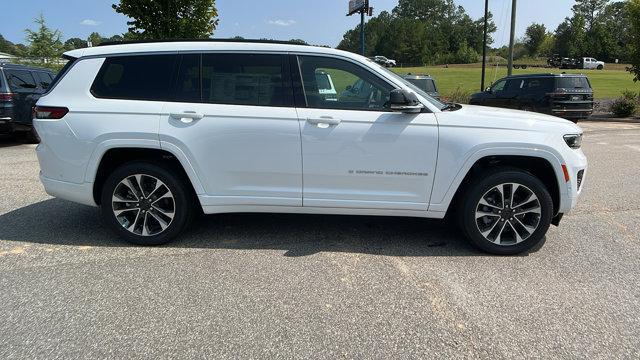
254,41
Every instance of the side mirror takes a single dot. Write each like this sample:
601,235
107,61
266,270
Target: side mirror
404,101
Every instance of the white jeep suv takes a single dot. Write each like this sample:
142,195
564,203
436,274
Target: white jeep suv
152,133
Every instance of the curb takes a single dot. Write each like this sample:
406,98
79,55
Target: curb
612,119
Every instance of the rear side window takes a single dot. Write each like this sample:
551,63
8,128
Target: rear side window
245,79
20,80
188,87
538,85
44,80
147,77
574,82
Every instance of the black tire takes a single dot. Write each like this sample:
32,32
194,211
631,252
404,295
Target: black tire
32,137
600,67
486,182
183,204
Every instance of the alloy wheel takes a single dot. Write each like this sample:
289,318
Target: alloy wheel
508,214
143,205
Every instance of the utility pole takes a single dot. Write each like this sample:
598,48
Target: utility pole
513,37
362,29
484,44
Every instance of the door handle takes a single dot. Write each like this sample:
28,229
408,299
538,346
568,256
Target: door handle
324,121
187,116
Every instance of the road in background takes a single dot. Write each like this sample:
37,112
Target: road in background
322,286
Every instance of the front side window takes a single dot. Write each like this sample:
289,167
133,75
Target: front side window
20,80
244,79
499,86
145,77
355,88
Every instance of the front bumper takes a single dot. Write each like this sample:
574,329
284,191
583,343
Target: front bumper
577,169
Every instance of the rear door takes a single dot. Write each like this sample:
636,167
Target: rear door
233,116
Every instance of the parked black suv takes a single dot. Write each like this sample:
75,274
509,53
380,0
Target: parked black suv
565,95
20,88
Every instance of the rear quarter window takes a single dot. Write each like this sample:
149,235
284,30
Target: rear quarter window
20,80
43,78
145,77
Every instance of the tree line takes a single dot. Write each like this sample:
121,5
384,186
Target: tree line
596,28
414,32
422,32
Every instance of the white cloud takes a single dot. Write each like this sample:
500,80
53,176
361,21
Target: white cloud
280,22
89,22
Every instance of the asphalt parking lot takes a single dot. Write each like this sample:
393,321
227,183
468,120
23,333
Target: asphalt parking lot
285,286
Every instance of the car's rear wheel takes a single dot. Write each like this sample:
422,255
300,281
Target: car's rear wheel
506,212
146,204
600,67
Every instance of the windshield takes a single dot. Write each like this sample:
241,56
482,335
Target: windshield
414,88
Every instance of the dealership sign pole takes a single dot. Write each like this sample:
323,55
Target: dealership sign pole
362,7
484,44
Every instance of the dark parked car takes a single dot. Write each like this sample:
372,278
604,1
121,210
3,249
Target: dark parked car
20,88
564,95
425,83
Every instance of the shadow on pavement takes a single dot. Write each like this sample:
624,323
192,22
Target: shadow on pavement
10,140
59,222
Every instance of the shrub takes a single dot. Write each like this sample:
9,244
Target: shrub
626,105
458,96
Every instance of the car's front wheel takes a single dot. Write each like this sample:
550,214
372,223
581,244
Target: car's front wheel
506,212
146,204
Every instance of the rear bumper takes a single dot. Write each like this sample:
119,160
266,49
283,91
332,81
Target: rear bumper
79,193
6,126
572,113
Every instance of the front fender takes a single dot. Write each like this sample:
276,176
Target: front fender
444,192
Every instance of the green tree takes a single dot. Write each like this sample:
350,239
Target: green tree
633,8
548,45
7,46
44,43
95,39
589,10
169,19
570,37
421,32
74,43
534,37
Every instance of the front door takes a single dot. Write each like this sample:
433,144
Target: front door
357,153
233,117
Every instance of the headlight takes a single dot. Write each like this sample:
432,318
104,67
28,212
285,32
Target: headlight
574,141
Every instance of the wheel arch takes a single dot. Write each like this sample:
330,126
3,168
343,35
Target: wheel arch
113,157
539,167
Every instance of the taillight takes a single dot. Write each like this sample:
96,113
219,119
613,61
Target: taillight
6,97
49,112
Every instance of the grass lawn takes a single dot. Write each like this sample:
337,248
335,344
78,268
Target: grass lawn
607,84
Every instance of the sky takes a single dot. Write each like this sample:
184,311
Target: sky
317,22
